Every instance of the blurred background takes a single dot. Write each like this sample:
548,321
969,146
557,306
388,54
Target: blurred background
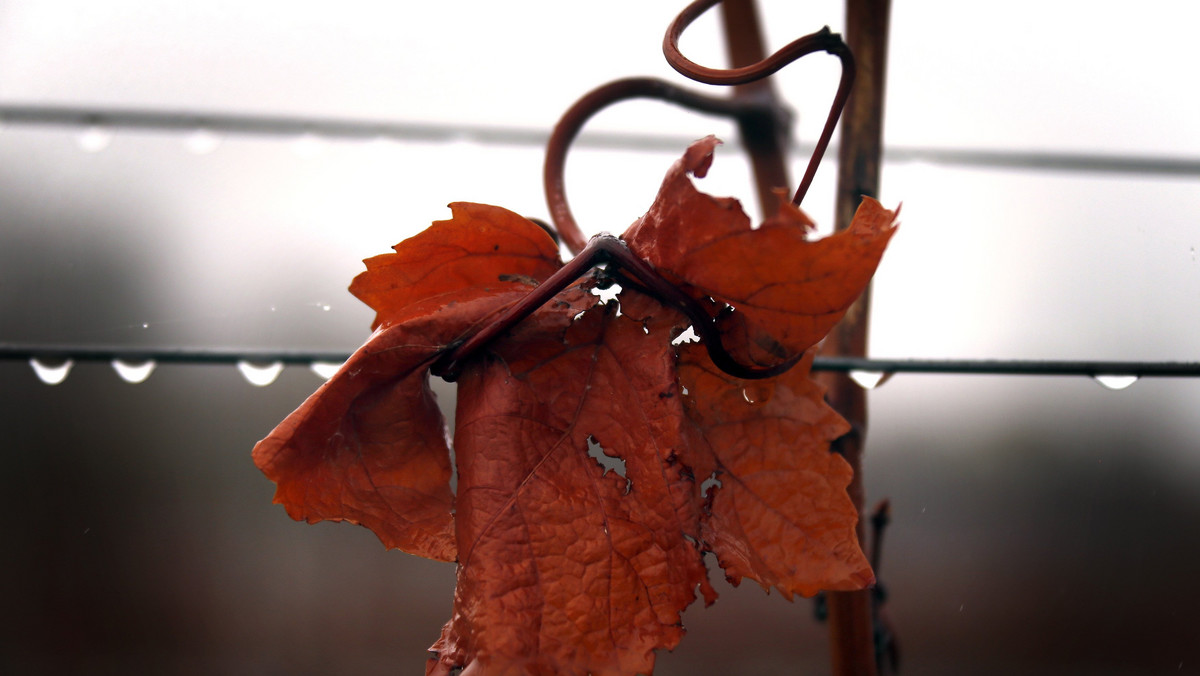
1041,524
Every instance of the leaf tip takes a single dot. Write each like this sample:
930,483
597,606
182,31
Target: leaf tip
699,156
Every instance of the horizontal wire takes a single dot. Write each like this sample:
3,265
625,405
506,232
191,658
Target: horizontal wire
346,128
1028,367
174,121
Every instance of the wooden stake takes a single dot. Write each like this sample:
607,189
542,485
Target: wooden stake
850,617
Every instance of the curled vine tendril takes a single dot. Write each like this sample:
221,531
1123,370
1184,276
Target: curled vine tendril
623,263
577,115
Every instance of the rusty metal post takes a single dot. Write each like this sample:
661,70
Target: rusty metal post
850,614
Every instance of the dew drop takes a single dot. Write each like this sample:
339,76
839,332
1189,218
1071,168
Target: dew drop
308,145
133,373
325,369
869,380
758,393
1116,382
94,139
202,141
260,376
51,374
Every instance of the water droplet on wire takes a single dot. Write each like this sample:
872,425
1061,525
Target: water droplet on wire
260,375
51,374
202,141
133,372
325,369
95,138
1116,382
308,146
869,380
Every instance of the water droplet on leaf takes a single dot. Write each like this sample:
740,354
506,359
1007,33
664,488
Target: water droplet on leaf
51,374
758,393
133,373
1116,382
260,375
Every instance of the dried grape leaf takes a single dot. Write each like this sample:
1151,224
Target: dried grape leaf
597,460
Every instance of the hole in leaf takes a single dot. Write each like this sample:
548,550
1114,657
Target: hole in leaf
610,463
688,335
710,483
607,293
445,394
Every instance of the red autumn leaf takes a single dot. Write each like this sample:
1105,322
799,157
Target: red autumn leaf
565,567
482,250
781,513
585,439
788,291
369,446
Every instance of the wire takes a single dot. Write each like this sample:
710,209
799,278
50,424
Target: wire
1091,368
279,125
343,128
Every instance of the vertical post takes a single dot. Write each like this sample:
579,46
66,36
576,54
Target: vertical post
850,613
765,132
